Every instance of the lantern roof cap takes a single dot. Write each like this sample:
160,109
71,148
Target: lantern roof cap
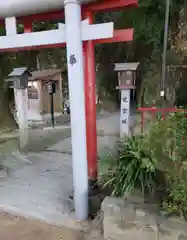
18,72
120,67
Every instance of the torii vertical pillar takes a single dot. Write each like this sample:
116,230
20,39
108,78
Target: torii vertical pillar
90,96
77,102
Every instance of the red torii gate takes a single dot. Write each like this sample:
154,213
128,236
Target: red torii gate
123,35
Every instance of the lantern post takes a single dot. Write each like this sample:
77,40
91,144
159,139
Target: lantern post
127,82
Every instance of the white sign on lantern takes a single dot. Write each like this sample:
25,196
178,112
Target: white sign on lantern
125,112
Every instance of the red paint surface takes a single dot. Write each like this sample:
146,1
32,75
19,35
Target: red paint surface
108,5
123,35
125,86
48,16
27,27
90,101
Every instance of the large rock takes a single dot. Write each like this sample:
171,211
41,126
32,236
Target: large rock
123,221
126,220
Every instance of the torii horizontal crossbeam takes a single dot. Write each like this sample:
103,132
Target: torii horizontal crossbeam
123,35
51,37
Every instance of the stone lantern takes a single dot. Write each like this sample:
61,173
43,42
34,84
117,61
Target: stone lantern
18,80
127,83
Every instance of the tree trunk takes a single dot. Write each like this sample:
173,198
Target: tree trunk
7,122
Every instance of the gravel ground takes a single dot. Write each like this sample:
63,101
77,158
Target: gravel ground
15,228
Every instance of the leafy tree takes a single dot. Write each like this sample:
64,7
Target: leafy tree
146,48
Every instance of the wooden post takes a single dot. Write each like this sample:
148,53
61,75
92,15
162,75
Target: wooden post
61,92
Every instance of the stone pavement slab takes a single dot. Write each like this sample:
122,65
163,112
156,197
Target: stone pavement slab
105,144
39,189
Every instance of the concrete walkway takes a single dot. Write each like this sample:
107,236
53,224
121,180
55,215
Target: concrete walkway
40,188
38,185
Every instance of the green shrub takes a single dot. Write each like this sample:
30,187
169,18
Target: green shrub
176,202
162,150
166,144
133,168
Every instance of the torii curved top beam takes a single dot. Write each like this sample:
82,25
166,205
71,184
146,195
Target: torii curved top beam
10,8
55,13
